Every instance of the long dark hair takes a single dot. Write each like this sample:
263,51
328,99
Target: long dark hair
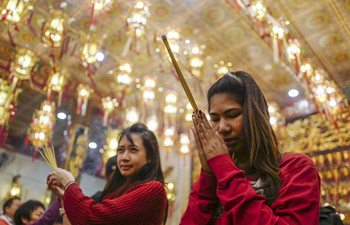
151,171
260,139
25,211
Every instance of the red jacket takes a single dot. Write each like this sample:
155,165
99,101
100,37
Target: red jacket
297,202
143,204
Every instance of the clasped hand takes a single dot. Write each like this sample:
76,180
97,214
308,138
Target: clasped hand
58,180
209,142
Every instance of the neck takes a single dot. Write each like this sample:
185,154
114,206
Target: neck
241,160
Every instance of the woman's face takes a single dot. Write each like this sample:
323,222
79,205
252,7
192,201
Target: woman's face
226,115
35,215
131,157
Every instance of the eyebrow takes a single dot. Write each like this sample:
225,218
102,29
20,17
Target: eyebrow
227,111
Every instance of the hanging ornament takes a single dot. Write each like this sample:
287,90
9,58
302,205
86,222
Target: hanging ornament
276,118
170,100
123,76
169,136
196,61
6,96
132,116
56,84
12,11
293,53
136,22
258,10
84,93
278,37
22,66
148,90
152,123
97,8
109,105
222,68
89,52
185,142
111,146
53,29
7,108
41,128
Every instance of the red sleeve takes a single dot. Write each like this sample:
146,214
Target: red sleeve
202,201
297,202
137,205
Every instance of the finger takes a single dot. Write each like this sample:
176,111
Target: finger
203,140
204,120
198,143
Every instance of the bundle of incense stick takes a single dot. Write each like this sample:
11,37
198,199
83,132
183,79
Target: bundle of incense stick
48,155
179,73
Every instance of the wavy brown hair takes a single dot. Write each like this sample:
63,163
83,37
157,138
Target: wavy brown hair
119,184
260,139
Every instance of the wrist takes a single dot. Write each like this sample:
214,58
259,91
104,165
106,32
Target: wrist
68,184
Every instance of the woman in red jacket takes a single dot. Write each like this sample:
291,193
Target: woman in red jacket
245,180
135,195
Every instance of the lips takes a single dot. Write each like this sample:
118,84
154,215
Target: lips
125,167
231,141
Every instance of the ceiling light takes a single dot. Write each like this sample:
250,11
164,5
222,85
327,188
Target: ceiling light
293,93
92,145
61,116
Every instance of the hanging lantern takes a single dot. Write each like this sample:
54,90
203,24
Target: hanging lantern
188,116
173,39
195,60
152,123
13,10
138,18
5,100
148,92
222,68
84,93
258,10
276,118
124,74
22,65
293,53
7,107
185,142
169,136
41,128
54,29
132,116
109,105
90,51
56,84
170,192
278,34
111,146
170,100
100,5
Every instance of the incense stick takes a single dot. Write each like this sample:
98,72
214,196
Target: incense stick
48,155
179,73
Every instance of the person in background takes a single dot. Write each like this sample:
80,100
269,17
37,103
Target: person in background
29,212
245,179
9,209
109,169
134,195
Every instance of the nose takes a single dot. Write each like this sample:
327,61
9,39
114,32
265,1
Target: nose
124,156
224,128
